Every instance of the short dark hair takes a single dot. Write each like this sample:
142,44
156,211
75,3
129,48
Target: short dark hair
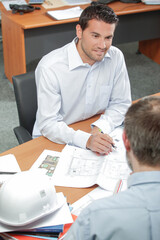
98,11
142,127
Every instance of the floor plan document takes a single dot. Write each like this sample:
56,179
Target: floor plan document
47,162
82,168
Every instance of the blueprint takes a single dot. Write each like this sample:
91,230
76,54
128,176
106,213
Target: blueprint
82,168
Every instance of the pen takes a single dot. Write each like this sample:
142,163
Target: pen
118,186
113,146
111,143
2,172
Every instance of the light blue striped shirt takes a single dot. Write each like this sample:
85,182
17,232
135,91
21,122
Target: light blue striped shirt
130,215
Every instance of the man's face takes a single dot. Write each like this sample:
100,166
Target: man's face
94,41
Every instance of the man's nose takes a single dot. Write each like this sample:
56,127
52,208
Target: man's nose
102,43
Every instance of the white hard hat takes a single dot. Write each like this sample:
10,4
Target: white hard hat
25,197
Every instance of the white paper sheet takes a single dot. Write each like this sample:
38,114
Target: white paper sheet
8,163
82,168
47,162
83,202
65,14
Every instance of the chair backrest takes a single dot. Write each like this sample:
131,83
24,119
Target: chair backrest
26,99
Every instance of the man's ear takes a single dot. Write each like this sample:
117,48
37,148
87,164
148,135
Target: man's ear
79,31
126,142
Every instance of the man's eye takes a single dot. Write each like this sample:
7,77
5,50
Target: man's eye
95,36
109,37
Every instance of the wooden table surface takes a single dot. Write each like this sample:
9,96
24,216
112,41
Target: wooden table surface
27,153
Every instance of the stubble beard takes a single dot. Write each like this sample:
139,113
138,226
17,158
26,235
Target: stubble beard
92,56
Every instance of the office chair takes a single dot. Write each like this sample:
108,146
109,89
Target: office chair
26,100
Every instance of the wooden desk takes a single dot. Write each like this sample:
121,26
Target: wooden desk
27,153
28,37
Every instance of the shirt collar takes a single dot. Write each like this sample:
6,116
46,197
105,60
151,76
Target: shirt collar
143,178
74,57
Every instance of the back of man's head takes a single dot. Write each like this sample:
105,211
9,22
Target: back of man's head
98,11
142,127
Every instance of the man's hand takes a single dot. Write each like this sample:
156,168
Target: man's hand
99,142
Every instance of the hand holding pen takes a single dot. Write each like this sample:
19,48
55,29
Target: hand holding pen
113,145
99,142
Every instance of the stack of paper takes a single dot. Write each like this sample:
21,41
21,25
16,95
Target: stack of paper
51,232
65,14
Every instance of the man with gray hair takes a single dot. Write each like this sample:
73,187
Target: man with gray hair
135,213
